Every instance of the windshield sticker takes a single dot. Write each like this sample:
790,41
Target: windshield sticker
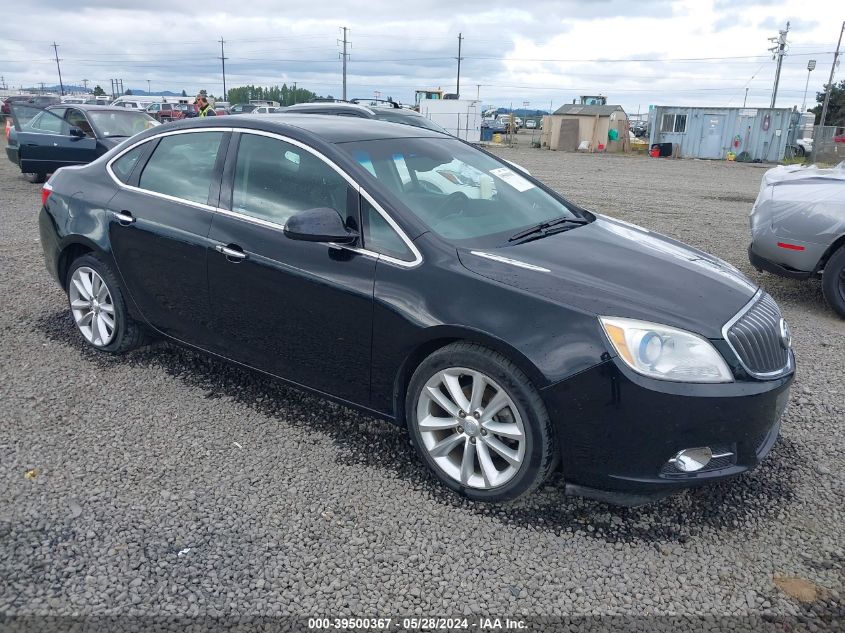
512,178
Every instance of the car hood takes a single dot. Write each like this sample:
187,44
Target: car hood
613,268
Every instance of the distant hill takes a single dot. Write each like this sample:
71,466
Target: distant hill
81,89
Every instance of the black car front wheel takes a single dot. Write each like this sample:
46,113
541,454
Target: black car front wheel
98,307
833,281
479,424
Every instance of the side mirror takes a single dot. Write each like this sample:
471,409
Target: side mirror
319,225
77,132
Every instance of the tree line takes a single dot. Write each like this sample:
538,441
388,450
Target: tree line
284,94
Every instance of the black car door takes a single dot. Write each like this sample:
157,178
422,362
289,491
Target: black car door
45,140
159,226
300,310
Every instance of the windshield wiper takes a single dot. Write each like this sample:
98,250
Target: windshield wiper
545,228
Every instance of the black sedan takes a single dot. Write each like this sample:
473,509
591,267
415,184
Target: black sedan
42,140
509,330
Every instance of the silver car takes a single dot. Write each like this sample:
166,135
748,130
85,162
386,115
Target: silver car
798,227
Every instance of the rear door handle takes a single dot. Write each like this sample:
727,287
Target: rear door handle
124,217
233,252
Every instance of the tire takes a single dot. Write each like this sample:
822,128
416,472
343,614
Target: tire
125,334
456,444
35,178
833,281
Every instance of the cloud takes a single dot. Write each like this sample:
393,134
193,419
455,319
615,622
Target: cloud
639,53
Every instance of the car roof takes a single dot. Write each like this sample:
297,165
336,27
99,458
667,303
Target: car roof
330,105
326,127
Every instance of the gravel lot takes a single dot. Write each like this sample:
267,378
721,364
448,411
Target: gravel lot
169,483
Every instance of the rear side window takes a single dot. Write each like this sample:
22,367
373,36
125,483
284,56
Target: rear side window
275,179
124,165
49,123
182,166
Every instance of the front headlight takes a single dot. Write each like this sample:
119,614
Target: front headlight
664,352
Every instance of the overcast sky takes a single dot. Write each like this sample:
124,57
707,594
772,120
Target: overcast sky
548,52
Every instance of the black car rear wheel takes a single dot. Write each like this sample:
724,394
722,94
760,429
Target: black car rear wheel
35,177
833,281
98,307
479,424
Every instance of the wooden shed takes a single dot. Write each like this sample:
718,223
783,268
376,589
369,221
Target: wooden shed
574,123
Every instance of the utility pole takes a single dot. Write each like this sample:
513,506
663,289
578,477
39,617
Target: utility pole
811,66
830,81
223,59
61,84
345,56
149,91
293,96
42,87
777,53
458,86
745,98
112,88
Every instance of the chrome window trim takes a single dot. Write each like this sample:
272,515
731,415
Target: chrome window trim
266,223
156,194
726,328
508,260
411,246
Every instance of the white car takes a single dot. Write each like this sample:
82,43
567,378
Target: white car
265,110
531,124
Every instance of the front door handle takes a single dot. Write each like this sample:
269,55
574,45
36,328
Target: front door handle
124,217
232,252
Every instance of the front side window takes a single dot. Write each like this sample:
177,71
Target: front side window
182,166
275,179
77,119
459,192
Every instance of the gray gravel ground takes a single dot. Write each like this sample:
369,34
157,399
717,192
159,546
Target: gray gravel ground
169,483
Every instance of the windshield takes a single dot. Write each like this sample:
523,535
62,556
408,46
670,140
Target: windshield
417,120
459,192
120,123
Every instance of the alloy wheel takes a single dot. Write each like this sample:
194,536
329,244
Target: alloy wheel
92,306
471,428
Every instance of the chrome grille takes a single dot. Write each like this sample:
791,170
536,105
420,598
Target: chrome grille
754,335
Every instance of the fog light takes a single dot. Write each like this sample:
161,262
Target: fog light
691,460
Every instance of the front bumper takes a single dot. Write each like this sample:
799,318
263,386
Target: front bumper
618,429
